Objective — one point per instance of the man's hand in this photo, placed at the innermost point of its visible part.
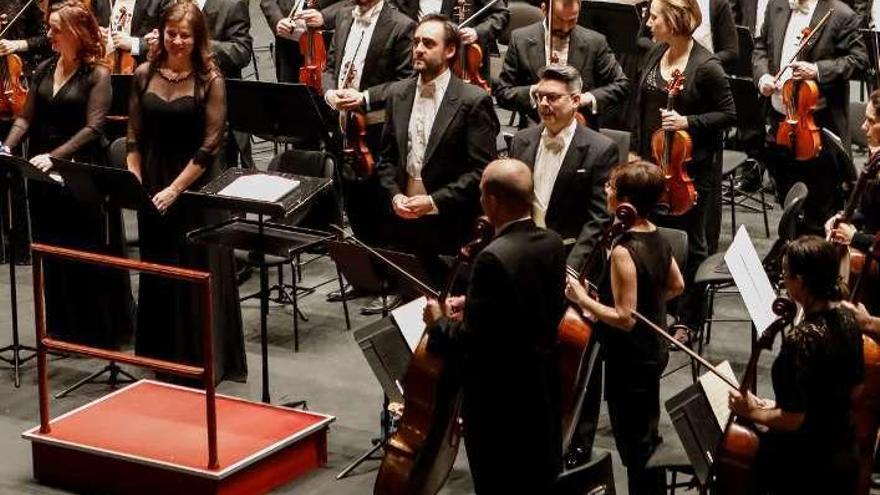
(468, 35)
(420, 205)
(285, 28)
(401, 208)
(345, 99)
(766, 85)
(672, 121)
(122, 41)
(312, 17)
(8, 47)
(152, 38)
(42, 162)
(804, 71)
(588, 101)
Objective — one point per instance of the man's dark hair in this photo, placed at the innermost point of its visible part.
(563, 73)
(450, 30)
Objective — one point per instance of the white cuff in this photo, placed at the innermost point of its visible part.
(135, 46)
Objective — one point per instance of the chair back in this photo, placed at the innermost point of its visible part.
(521, 14)
(841, 157)
(749, 114)
(324, 209)
(117, 152)
(856, 117)
(792, 214)
(678, 240)
(622, 139)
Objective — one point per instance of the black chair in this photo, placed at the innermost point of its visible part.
(743, 66)
(117, 152)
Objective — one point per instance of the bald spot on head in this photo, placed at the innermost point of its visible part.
(510, 182)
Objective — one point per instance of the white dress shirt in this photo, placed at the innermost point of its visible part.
(559, 46)
(759, 16)
(358, 41)
(120, 22)
(703, 33)
(875, 14)
(548, 161)
(425, 105)
(429, 7)
(800, 19)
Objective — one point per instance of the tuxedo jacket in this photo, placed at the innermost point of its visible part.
(462, 142)
(745, 12)
(229, 25)
(837, 50)
(724, 38)
(146, 17)
(507, 343)
(588, 52)
(488, 26)
(388, 56)
(577, 209)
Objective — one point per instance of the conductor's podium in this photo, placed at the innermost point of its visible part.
(150, 438)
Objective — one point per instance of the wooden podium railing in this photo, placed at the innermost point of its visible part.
(46, 344)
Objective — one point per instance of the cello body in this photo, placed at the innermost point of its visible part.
(798, 131)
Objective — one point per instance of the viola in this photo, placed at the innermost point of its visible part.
(353, 123)
(13, 83)
(576, 336)
(120, 61)
(311, 46)
(798, 130)
(672, 150)
(735, 456)
(469, 60)
(421, 452)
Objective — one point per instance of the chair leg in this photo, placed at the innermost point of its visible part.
(710, 311)
(732, 191)
(295, 298)
(344, 299)
(763, 201)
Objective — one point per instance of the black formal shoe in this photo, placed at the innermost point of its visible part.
(244, 274)
(348, 294)
(577, 455)
(376, 306)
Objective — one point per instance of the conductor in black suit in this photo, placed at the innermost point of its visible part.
(138, 34)
(439, 135)
(836, 55)
(505, 333)
(605, 86)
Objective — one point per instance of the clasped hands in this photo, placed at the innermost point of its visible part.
(412, 207)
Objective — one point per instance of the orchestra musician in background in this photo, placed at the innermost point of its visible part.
(64, 118)
(642, 275)
(176, 124)
(810, 445)
(130, 25)
(27, 36)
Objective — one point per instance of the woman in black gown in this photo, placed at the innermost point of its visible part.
(810, 445)
(176, 122)
(64, 117)
(642, 275)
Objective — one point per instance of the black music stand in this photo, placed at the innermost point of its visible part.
(14, 166)
(697, 428)
(872, 45)
(111, 188)
(621, 23)
(259, 236)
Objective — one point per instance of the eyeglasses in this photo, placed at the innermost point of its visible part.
(551, 97)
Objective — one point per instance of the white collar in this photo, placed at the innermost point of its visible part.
(441, 82)
(566, 133)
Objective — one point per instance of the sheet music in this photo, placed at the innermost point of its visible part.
(751, 279)
(409, 319)
(260, 187)
(717, 391)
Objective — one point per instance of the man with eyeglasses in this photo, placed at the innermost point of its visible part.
(570, 164)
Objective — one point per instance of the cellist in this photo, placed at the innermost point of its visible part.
(809, 446)
(835, 54)
(642, 275)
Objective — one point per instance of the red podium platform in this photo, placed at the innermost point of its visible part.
(150, 437)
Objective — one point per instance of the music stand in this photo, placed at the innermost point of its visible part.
(697, 427)
(14, 166)
(112, 188)
(259, 236)
(621, 23)
(872, 45)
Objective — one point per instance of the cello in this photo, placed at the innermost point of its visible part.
(353, 123)
(13, 83)
(575, 332)
(672, 150)
(469, 59)
(419, 455)
(311, 46)
(798, 130)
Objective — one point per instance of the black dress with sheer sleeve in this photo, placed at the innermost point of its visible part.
(171, 124)
(83, 303)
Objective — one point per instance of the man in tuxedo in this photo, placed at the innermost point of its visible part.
(835, 55)
(439, 135)
(130, 24)
(570, 164)
(484, 31)
(606, 87)
(505, 333)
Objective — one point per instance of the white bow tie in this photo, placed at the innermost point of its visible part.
(802, 7)
(553, 144)
(427, 90)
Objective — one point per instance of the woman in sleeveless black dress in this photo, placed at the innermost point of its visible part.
(64, 118)
(641, 276)
(176, 125)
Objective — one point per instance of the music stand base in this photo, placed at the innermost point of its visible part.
(368, 455)
(16, 361)
(113, 379)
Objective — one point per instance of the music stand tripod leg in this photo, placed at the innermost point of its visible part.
(112, 369)
(378, 443)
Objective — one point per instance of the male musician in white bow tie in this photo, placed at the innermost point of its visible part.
(129, 25)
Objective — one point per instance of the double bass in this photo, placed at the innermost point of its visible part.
(13, 83)
(798, 130)
(311, 46)
(353, 123)
(672, 150)
(469, 59)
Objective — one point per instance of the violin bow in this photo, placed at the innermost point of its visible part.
(476, 14)
(15, 18)
(804, 43)
(297, 6)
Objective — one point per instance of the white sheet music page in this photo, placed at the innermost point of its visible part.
(751, 279)
(409, 320)
(260, 187)
(716, 391)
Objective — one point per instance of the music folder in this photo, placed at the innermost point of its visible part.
(98, 184)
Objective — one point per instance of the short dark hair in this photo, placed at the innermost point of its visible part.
(816, 261)
(451, 35)
(563, 73)
(639, 183)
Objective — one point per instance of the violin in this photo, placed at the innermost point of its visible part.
(469, 59)
(13, 83)
(311, 46)
(120, 61)
(672, 150)
(798, 130)
(353, 123)
(576, 340)
(420, 454)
